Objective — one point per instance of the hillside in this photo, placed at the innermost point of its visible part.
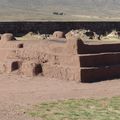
(73, 10)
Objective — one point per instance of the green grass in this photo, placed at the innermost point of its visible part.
(83, 109)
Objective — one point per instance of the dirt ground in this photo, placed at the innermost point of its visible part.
(17, 93)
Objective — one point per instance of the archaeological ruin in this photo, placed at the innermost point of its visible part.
(80, 55)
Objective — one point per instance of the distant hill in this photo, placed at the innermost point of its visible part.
(73, 9)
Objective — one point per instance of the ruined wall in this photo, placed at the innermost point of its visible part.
(49, 27)
(70, 60)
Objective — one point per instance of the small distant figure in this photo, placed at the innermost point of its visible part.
(58, 13)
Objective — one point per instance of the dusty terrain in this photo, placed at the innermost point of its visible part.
(17, 93)
(74, 10)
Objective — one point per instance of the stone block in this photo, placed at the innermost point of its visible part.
(58, 34)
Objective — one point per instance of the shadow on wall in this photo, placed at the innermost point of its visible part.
(38, 69)
(102, 48)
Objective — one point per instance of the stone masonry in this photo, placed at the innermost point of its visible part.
(66, 59)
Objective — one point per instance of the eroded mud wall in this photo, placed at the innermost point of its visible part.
(19, 28)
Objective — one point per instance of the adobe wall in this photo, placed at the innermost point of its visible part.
(70, 60)
(49, 27)
(58, 60)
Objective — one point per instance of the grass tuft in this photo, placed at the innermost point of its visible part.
(83, 109)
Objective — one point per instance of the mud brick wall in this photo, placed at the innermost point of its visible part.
(19, 28)
(87, 63)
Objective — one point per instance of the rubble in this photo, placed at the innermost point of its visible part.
(114, 35)
(82, 34)
(33, 36)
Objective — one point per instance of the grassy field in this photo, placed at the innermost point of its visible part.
(83, 109)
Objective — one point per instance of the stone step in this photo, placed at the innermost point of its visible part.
(98, 48)
(85, 60)
(83, 74)
(77, 46)
(97, 60)
(94, 74)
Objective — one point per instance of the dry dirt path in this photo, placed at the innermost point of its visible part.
(18, 93)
